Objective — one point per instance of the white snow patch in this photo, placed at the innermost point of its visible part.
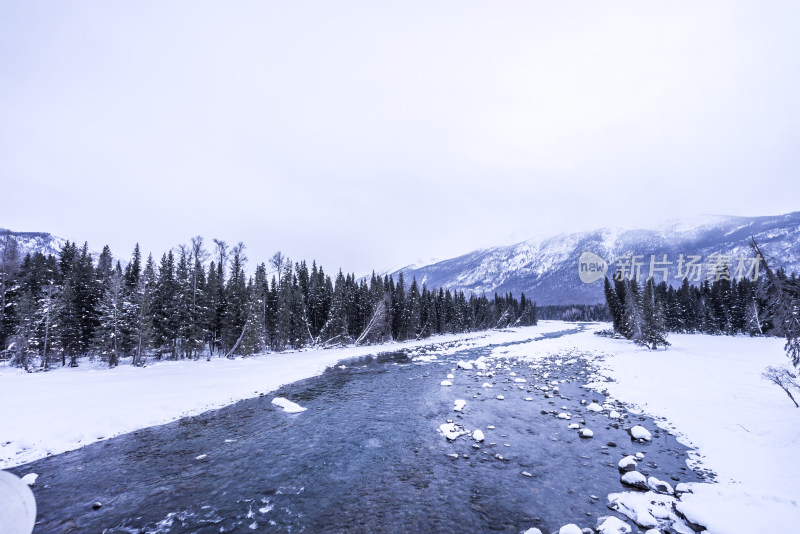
(451, 431)
(287, 405)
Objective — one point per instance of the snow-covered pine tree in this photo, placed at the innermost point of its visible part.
(165, 295)
(236, 299)
(653, 328)
(107, 341)
(140, 314)
(413, 311)
(784, 304)
(615, 307)
(335, 330)
(633, 311)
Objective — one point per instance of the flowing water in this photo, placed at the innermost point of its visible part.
(366, 456)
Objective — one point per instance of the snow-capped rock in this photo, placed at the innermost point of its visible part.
(635, 479)
(644, 509)
(30, 479)
(585, 433)
(641, 433)
(570, 529)
(477, 435)
(467, 366)
(594, 407)
(459, 404)
(612, 525)
(500, 397)
(659, 486)
(628, 463)
(446, 383)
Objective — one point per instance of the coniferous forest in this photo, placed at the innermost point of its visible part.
(722, 306)
(198, 303)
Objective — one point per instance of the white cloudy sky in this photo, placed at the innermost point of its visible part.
(371, 134)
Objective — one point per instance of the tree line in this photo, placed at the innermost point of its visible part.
(768, 305)
(574, 312)
(195, 303)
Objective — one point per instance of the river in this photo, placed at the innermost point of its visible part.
(366, 456)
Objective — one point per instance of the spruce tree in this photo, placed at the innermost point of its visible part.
(653, 327)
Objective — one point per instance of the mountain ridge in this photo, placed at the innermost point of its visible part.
(546, 270)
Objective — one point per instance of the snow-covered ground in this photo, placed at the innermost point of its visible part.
(64, 409)
(709, 391)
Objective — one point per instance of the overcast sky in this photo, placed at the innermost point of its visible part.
(373, 134)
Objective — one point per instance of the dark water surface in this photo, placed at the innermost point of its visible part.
(366, 456)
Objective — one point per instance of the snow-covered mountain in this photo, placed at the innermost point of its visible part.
(30, 242)
(547, 269)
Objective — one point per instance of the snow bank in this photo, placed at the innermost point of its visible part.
(708, 390)
(67, 408)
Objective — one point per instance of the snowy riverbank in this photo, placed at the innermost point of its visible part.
(709, 391)
(67, 408)
(706, 389)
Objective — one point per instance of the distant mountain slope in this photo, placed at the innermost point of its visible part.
(547, 270)
(30, 242)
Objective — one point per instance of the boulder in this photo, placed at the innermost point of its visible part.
(634, 479)
(612, 525)
(640, 433)
(627, 464)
